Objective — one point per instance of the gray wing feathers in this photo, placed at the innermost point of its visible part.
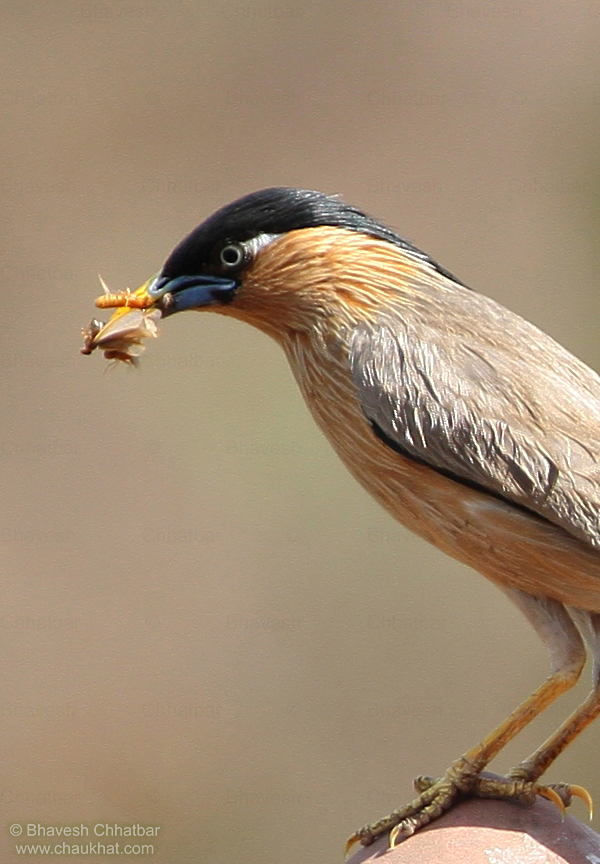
(508, 409)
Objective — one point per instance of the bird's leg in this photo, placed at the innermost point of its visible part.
(533, 767)
(567, 651)
(463, 776)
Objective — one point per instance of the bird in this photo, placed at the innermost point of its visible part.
(472, 427)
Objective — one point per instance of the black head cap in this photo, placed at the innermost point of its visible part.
(275, 211)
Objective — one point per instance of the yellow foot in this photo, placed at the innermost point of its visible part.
(406, 820)
(564, 791)
(520, 788)
(438, 795)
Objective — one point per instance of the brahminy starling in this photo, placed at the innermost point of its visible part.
(471, 426)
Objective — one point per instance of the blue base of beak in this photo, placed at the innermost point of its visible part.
(191, 292)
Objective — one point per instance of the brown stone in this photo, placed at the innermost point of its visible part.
(493, 832)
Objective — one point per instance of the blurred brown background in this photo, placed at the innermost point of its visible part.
(206, 624)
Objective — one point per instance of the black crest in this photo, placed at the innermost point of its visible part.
(275, 211)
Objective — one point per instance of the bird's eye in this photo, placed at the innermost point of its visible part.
(232, 255)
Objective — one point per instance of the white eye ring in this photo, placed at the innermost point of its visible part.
(232, 255)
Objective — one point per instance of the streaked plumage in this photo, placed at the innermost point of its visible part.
(471, 426)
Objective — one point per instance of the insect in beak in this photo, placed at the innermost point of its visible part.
(122, 337)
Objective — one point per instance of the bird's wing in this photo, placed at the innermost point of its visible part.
(508, 410)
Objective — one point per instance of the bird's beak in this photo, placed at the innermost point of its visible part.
(136, 312)
(189, 292)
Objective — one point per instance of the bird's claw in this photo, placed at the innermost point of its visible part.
(584, 795)
(561, 794)
(438, 795)
(525, 790)
(565, 792)
(552, 795)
